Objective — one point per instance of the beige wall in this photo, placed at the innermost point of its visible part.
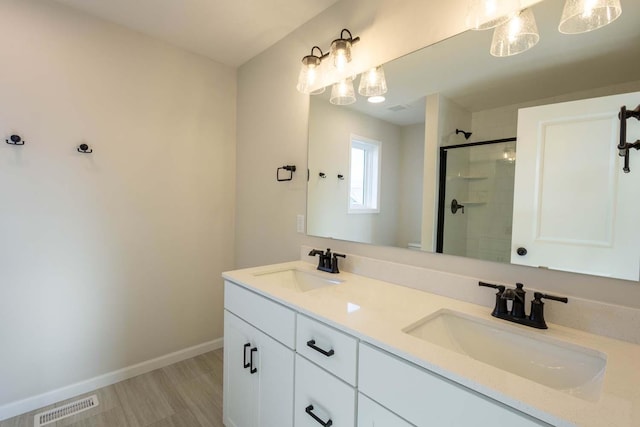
(113, 258)
(272, 131)
(330, 130)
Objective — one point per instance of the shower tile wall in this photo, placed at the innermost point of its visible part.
(489, 223)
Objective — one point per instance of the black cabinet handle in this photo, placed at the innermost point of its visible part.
(312, 344)
(522, 251)
(244, 355)
(253, 369)
(309, 410)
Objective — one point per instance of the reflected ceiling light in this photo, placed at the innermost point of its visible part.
(581, 16)
(341, 50)
(373, 83)
(342, 92)
(376, 99)
(486, 14)
(309, 72)
(515, 36)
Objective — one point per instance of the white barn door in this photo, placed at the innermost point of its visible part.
(574, 208)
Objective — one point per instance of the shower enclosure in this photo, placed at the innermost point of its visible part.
(475, 208)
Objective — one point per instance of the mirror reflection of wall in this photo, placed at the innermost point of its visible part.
(397, 218)
(458, 84)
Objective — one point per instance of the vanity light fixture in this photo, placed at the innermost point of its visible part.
(341, 49)
(373, 83)
(309, 72)
(487, 14)
(515, 36)
(342, 92)
(581, 16)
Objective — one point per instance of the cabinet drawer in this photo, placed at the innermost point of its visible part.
(370, 414)
(426, 399)
(274, 319)
(333, 350)
(320, 394)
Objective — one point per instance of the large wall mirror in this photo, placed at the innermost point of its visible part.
(509, 159)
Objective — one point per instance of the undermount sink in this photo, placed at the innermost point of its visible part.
(298, 280)
(567, 367)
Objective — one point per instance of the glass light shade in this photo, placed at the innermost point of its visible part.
(309, 74)
(581, 16)
(342, 93)
(372, 82)
(340, 53)
(486, 14)
(515, 36)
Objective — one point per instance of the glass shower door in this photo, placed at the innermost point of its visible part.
(476, 200)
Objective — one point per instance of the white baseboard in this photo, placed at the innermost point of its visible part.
(35, 402)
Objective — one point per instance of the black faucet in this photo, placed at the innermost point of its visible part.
(327, 261)
(517, 313)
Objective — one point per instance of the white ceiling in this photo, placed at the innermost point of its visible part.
(230, 32)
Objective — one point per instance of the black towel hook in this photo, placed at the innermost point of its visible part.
(15, 140)
(84, 148)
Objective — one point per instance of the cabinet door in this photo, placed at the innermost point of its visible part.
(321, 398)
(240, 391)
(370, 414)
(258, 377)
(574, 209)
(274, 363)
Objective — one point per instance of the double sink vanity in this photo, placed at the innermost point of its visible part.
(309, 348)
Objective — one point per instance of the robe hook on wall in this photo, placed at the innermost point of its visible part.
(341, 177)
(322, 175)
(84, 148)
(624, 146)
(289, 168)
(15, 140)
(467, 135)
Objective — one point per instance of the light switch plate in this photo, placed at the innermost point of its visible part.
(300, 223)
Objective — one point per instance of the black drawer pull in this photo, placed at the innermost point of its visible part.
(309, 410)
(244, 355)
(253, 369)
(312, 344)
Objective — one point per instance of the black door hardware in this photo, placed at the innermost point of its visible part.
(312, 344)
(309, 410)
(535, 319)
(252, 368)
(624, 146)
(84, 148)
(15, 140)
(521, 251)
(289, 168)
(244, 355)
(455, 206)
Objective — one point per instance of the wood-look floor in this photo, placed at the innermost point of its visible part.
(186, 394)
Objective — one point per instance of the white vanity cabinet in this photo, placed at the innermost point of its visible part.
(371, 414)
(258, 369)
(426, 399)
(326, 367)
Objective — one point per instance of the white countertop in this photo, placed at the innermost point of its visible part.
(385, 309)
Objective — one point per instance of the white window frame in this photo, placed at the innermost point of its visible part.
(372, 175)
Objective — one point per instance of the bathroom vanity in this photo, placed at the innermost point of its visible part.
(308, 348)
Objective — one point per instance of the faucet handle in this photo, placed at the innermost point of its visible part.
(539, 295)
(537, 309)
(334, 262)
(500, 288)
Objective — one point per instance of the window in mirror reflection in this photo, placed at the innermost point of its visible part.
(364, 175)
